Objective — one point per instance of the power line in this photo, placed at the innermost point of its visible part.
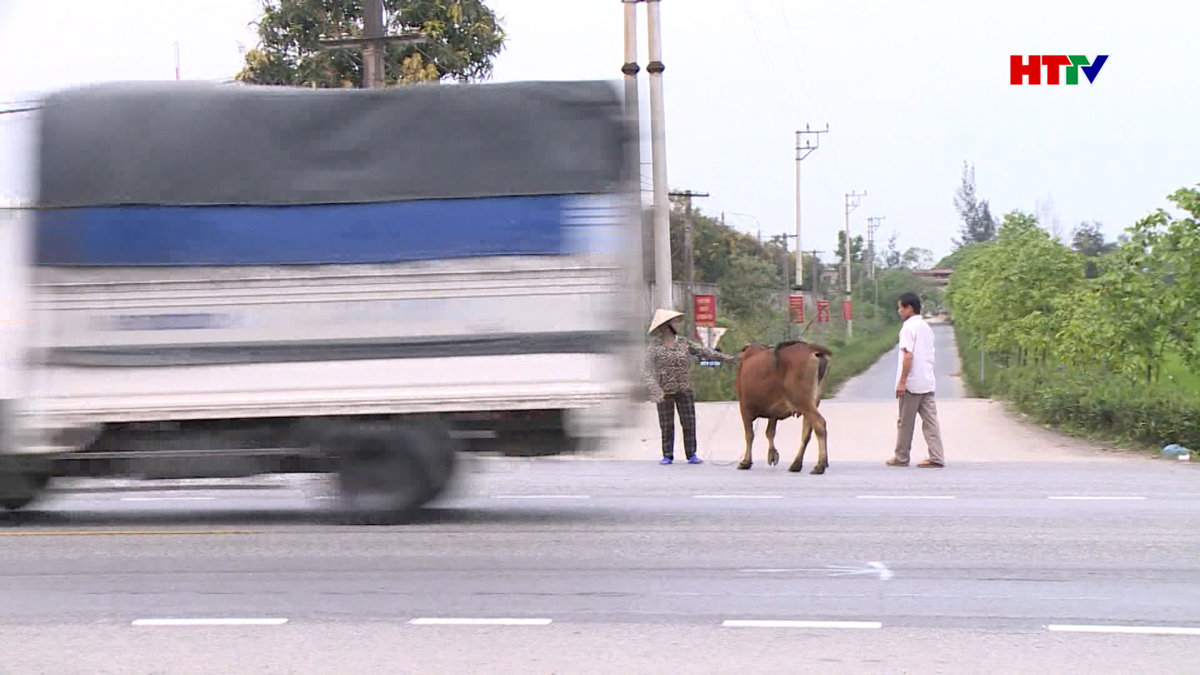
(790, 102)
(787, 24)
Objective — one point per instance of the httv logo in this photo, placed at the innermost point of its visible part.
(1020, 69)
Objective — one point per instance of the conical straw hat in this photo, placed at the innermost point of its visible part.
(661, 317)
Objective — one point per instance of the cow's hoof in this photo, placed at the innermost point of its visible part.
(745, 465)
(772, 458)
(818, 469)
(795, 468)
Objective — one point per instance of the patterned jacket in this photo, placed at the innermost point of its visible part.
(667, 369)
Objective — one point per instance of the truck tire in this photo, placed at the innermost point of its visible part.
(387, 473)
(20, 488)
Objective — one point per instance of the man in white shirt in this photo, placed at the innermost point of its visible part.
(915, 385)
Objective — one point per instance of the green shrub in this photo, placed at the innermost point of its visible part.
(1106, 405)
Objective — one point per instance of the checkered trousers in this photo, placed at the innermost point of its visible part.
(685, 402)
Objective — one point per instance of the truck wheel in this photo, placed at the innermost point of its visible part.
(441, 455)
(18, 488)
(386, 475)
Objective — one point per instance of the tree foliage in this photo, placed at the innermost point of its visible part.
(856, 248)
(463, 37)
(1089, 241)
(916, 258)
(977, 223)
(1028, 294)
(1007, 292)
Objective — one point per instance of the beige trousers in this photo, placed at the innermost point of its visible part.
(910, 406)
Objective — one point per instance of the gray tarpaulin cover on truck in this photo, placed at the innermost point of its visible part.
(173, 143)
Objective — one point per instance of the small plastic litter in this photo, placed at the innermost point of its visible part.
(1177, 451)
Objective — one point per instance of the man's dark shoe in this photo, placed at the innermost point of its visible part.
(895, 462)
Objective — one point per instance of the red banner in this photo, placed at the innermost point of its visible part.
(796, 305)
(847, 310)
(822, 311)
(705, 310)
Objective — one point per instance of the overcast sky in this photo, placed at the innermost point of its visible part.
(909, 89)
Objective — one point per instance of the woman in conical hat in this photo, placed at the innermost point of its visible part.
(667, 370)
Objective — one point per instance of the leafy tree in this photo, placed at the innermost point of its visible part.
(894, 283)
(856, 248)
(917, 259)
(956, 257)
(749, 289)
(463, 37)
(1089, 241)
(1127, 317)
(1007, 293)
(892, 258)
(977, 222)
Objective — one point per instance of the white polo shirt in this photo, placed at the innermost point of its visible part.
(917, 337)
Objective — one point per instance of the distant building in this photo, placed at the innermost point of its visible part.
(938, 277)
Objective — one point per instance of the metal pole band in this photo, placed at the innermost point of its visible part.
(630, 69)
(655, 67)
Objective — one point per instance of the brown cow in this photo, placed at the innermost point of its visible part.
(781, 382)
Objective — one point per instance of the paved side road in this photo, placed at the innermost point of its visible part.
(878, 382)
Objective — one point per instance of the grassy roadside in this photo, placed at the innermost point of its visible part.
(1094, 405)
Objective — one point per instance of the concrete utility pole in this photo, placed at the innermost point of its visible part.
(372, 43)
(852, 200)
(658, 155)
(689, 258)
(804, 148)
(633, 115)
(872, 226)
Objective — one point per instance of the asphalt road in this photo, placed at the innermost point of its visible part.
(616, 566)
(878, 383)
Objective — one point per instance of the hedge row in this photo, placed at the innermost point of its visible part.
(1090, 403)
(1098, 405)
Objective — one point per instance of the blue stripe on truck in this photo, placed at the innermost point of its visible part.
(317, 234)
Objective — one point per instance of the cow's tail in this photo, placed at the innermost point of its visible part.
(824, 356)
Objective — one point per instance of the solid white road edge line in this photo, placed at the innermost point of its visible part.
(742, 623)
(428, 621)
(209, 622)
(1142, 630)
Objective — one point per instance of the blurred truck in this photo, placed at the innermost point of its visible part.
(224, 280)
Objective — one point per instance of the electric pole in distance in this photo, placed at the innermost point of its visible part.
(852, 201)
(872, 226)
(689, 258)
(806, 142)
